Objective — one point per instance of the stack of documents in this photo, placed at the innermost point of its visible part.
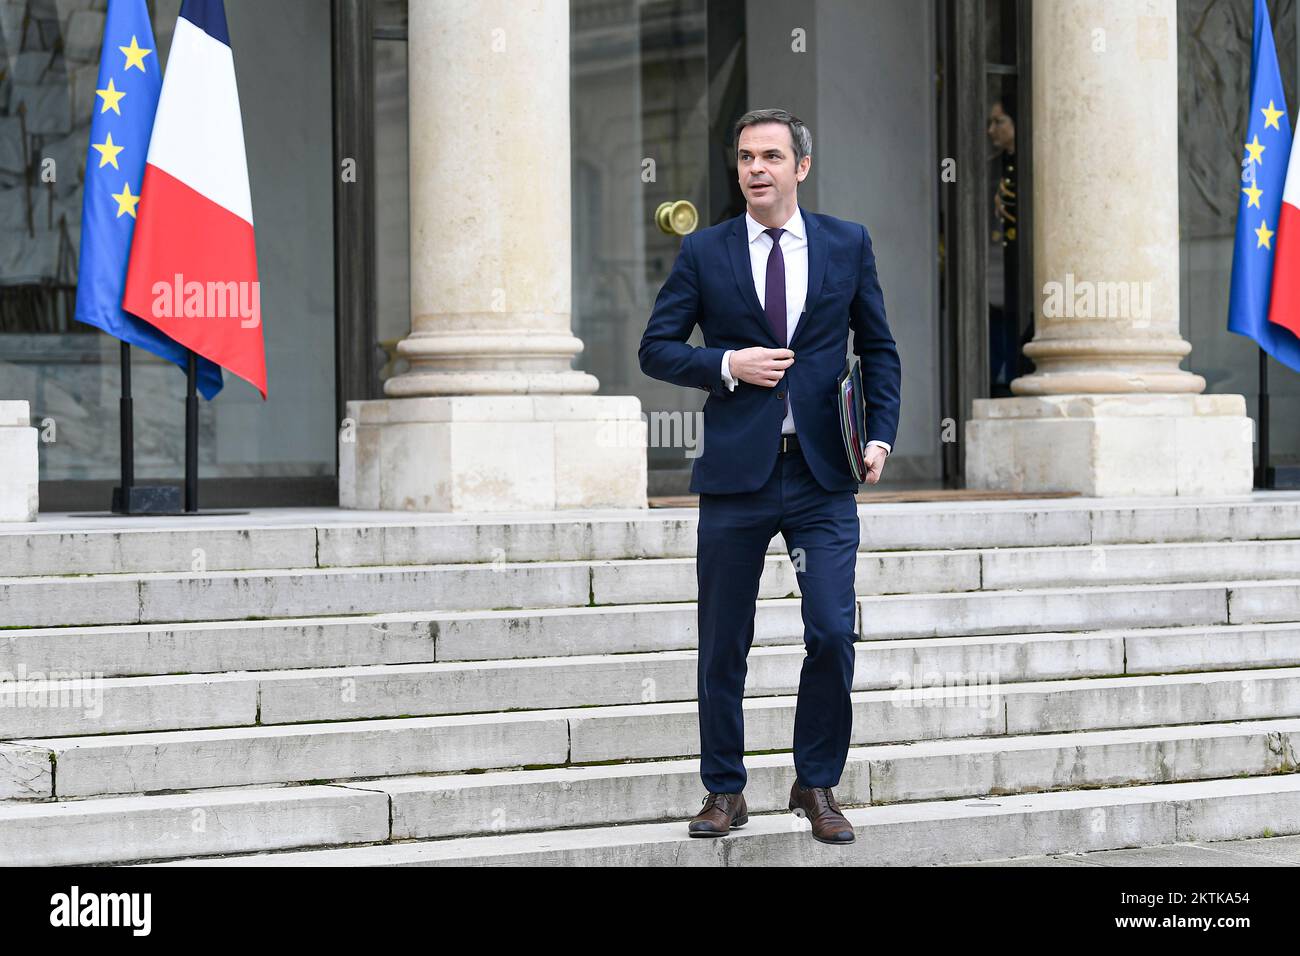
(853, 419)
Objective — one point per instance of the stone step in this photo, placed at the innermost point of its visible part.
(241, 756)
(239, 595)
(389, 690)
(913, 834)
(303, 537)
(97, 599)
(122, 829)
(52, 706)
(307, 680)
(1079, 608)
(134, 650)
(483, 804)
(119, 705)
(652, 731)
(238, 756)
(1002, 568)
(116, 829)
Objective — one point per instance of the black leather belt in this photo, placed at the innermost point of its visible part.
(789, 444)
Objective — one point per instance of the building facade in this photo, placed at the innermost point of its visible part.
(465, 209)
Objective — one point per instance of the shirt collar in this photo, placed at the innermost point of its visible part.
(793, 225)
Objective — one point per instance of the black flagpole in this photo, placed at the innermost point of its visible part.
(125, 421)
(191, 433)
(130, 498)
(1262, 477)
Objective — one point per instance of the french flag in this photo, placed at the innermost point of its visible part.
(193, 267)
(1284, 304)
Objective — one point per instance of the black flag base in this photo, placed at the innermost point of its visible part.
(128, 497)
(1270, 477)
(147, 500)
(132, 499)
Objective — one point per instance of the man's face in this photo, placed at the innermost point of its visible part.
(1001, 130)
(765, 166)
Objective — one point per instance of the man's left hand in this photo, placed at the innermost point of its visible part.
(875, 463)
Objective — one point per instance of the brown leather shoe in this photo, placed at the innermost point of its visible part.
(819, 806)
(721, 812)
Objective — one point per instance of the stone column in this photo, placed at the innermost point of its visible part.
(1108, 410)
(20, 475)
(491, 416)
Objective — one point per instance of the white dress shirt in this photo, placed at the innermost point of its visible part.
(794, 250)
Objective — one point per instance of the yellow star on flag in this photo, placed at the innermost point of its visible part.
(108, 152)
(1254, 192)
(1264, 234)
(1256, 150)
(1271, 116)
(135, 56)
(110, 96)
(125, 201)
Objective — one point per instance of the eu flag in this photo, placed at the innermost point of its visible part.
(126, 97)
(1259, 203)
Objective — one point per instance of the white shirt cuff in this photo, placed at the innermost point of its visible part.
(883, 444)
(726, 370)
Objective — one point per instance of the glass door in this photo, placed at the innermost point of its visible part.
(657, 86)
(640, 125)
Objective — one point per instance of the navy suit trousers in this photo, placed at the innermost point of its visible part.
(821, 533)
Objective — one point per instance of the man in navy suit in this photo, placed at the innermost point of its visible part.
(776, 292)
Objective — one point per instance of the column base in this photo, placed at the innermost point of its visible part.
(476, 453)
(20, 476)
(1112, 445)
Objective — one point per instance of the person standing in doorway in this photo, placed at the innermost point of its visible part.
(776, 292)
(1005, 338)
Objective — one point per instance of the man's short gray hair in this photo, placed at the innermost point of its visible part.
(800, 135)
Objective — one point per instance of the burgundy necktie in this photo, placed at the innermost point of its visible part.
(774, 299)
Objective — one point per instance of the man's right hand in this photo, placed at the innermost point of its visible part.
(760, 366)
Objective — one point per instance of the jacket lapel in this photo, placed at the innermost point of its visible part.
(816, 270)
(738, 249)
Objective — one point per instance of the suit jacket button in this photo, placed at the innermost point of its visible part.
(780, 394)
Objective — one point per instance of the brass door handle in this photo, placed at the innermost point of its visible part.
(677, 218)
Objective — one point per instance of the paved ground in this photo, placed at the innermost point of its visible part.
(1267, 851)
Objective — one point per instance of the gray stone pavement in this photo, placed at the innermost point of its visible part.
(1263, 851)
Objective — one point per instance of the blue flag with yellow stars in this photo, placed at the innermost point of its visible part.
(1263, 175)
(126, 98)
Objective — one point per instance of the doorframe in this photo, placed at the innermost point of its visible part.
(355, 292)
(1025, 172)
(963, 96)
(964, 342)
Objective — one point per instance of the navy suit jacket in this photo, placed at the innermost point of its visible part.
(712, 285)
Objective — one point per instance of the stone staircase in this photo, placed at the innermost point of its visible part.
(326, 687)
